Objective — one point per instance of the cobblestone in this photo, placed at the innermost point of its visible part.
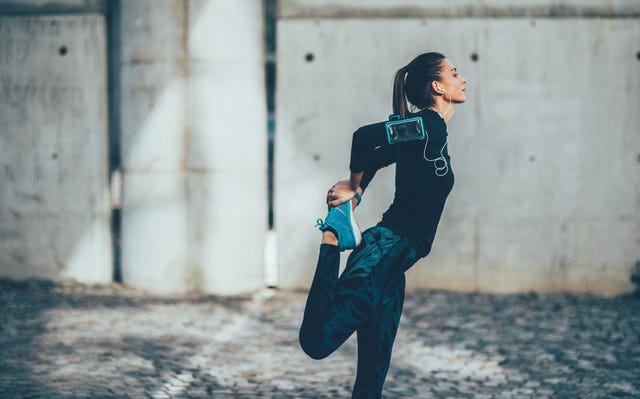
(66, 340)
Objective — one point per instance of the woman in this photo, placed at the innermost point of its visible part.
(369, 294)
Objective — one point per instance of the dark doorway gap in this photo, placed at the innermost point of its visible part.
(112, 17)
(270, 8)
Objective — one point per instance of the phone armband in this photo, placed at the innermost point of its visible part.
(403, 130)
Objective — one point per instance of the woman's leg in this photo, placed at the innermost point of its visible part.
(338, 307)
(321, 295)
(375, 341)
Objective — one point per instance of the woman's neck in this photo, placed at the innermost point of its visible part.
(444, 108)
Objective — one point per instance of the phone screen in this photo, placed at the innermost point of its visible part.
(403, 130)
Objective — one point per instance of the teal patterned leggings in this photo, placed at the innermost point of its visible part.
(366, 298)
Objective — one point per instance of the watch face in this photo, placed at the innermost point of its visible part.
(405, 130)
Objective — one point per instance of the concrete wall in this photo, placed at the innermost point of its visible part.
(302, 9)
(54, 194)
(194, 145)
(545, 200)
(54, 7)
(545, 151)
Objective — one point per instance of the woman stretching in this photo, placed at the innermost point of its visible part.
(368, 296)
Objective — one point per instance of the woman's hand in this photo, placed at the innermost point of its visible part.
(341, 192)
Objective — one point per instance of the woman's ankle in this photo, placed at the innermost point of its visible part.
(329, 237)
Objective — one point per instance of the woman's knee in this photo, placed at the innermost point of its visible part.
(314, 353)
(311, 345)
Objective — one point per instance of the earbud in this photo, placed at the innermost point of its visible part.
(441, 88)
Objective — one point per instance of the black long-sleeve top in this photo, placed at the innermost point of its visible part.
(420, 194)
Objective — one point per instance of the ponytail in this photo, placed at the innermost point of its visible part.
(412, 83)
(399, 93)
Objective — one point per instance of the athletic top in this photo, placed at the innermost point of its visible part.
(420, 194)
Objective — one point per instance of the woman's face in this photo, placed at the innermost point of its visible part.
(453, 83)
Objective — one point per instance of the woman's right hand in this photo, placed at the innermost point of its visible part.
(341, 192)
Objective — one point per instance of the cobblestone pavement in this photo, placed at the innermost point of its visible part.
(72, 341)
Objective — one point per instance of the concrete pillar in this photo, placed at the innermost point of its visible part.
(154, 145)
(193, 146)
(54, 194)
(227, 144)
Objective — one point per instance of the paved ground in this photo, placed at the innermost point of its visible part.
(73, 341)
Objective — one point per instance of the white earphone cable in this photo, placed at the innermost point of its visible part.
(444, 166)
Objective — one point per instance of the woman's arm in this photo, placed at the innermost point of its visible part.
(383, 157)
(370, 151)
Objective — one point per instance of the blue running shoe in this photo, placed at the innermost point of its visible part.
(340, 219)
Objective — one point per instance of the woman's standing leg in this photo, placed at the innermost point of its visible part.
(375, 342)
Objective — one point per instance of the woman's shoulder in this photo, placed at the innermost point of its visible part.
(373, 131)
(372, 126)
(430, 115)
(432, 120)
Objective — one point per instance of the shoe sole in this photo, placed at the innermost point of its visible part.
(354, 226)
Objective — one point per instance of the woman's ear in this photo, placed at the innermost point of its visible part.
(437, 87)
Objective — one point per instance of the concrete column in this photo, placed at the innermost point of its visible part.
(54, 194)
(153, 142)
(227, 144)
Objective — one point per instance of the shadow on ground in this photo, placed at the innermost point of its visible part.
(66, 340)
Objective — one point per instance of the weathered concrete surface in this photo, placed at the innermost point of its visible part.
(70, 341)
(22, 7)
(54, 194)
(296, 9)
(544, 152)
(192, 122)
(153, 141)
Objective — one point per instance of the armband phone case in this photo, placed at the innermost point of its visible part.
(403, 130)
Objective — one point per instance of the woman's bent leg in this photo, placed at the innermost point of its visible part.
(320, 297)
(375, 341)
(337, 308)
